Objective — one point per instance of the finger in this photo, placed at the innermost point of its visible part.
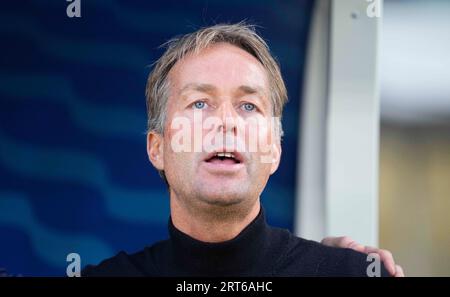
(357, 247)
(341, 242)
(329, 241)
(385, 257)
(399, 271)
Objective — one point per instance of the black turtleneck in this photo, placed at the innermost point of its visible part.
(259, 250)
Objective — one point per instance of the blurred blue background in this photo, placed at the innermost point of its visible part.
(74, 174)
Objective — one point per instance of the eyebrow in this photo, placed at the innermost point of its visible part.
(252, 90)
(204, 88)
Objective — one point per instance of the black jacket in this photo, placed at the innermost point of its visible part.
(259, 250)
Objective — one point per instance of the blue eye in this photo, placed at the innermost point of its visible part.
(199, 105)
(249, 106)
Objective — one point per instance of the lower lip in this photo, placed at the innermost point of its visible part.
(223, 166)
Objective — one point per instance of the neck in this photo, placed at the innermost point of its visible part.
(212, 223)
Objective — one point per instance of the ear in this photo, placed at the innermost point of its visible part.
(276, 156)
(155, 149)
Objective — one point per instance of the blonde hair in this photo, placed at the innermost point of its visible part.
(241, 35)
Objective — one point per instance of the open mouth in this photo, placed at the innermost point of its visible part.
(224, 158)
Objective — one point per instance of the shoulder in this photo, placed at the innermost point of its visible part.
(303, 257)
(141, 263)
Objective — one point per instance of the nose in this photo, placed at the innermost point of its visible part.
(229, 118)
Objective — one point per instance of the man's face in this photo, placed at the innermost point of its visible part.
(218, 107)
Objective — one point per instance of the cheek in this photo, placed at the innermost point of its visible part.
(178, 154)
(259, 167)
(258, 174)
(173, 159)
(259, 135)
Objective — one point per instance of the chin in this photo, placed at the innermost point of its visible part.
(223, 197)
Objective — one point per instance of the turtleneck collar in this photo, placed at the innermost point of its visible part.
(235, 256)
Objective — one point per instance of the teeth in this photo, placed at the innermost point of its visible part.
(226, 155)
